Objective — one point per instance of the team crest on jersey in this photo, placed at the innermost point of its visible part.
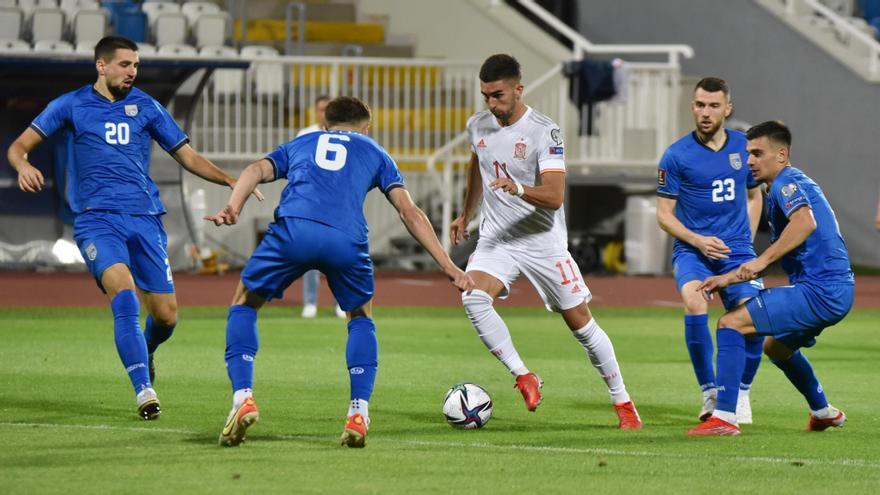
(735, 161)
(519, 151)
(482, 143)
(91, 251)
(131, 110)
(789, 189)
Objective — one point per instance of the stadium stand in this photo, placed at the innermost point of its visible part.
(177, 49)
(53, 46)
(169, 28)
(14, 46)
(88, 25)
(11, 20)
(47, 24)
(209, 29)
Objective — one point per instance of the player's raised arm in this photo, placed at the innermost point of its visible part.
(29, 178)
(255, 173)
(198, 165)
(472, 195)
(420, 228)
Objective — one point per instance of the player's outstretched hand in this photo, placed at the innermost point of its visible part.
(30, 179)
(711, 285)
(226, 216)
(461, 280)
(712, 247)
(750, 270)
(505, 184)
(458, 230)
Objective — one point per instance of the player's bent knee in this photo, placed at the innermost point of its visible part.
(476, 302)
(732, 320)
(776, 351)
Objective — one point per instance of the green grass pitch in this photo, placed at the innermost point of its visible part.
(68, 423)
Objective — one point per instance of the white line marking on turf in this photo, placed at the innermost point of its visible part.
(480, 445)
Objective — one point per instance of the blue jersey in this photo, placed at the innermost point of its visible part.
(823, 257)
(710, 188)
(329, 175)
(110, 169)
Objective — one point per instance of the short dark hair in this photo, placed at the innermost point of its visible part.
(346, 110)
(774, 130)
(109, 44)
(499, 67)
(713, 85)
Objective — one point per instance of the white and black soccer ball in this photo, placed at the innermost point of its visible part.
(467, 406)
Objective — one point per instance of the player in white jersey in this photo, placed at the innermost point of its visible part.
(518, 169)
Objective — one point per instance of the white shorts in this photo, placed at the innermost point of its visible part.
(553, 273)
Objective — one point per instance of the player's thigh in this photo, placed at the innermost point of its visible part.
(556, 278)
(116, 278)
(162, 307)
(148, 248)
(349, 270)
(734, 295)
(100, 237)
(790, 315)
(276, 262)
(690, 269)
(738, 319)
(494, 267)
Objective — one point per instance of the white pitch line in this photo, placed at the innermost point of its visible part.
(487, 446)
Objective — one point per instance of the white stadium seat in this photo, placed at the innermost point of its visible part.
(146, 49)
(268, 77)
(14, 46)
(89, 25)
(53, 46)
(8, 3)
(153, 9)
(258, 51)
(177, 49)
(169, 28)
(47, 24)
(29, 6)
(210, 29)
(11, 21)
(227, 82)
(218, 51)
(70, 7)
(193, 10)
(85, 46)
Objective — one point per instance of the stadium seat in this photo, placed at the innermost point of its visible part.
(210, 29)
(153, 9)
(258, 51)
(53, 46)
(14, 46)
(8, 3)
(85, 46)
(268, 77)
(70, 7)
(169, 28)
(89, 25)
(47, 24)
(194, 10)
(177, 49)
(226, 82)
(146, 49)
(11, 20)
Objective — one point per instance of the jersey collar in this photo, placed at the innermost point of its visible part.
(726, 140)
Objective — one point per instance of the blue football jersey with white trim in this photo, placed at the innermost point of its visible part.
(329, 174)
(110, 165)
(710, 187)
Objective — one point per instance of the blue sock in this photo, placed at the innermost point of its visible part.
(130, 342)
(241, 345)
(155, 334)
(699, 344)
(362, 357)
(731, 361)
(754, 352)
(800, 373)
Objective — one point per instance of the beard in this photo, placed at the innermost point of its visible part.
(712, 130)
(503, 117)
(119, 92)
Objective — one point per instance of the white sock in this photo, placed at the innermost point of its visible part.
(240, 395)
(359, 406)
(728, 416)
(710, 392)
(601, 354)
(823, 413)
(492, 330)
(744, 392)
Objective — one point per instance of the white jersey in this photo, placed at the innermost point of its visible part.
(522, 151)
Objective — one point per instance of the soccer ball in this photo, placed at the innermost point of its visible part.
(467, 406)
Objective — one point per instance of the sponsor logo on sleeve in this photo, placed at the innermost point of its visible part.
(556, 150)
(131, 110)
(661, 177)
(735, 161)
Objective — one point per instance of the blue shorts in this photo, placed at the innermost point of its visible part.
(138, 241)
(292, 246)
(796, 314)
(689, 264)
